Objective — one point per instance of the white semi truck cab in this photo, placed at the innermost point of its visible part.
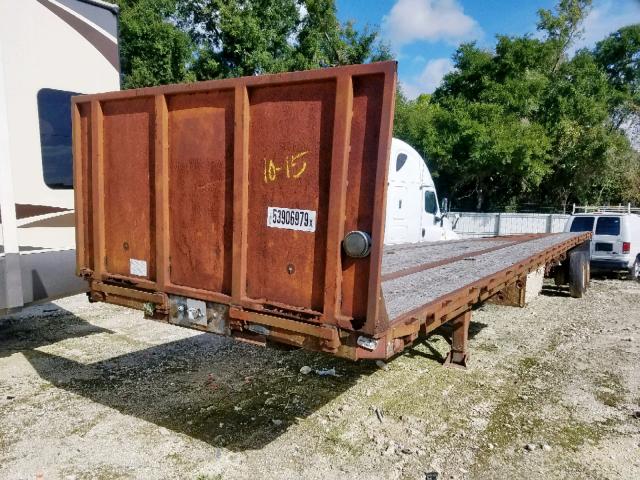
(413, 213)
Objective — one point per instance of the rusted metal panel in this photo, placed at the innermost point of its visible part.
(187, 174)
(290, 145)
(223, 205)
(201, 190)
(361, 179)
(512, 295)
(129, 186)
(82, 184)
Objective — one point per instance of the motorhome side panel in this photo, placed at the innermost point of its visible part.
(75, 50)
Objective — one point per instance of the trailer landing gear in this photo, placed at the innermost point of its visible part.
(459, 353)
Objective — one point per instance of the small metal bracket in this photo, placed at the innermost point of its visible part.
(456, 359)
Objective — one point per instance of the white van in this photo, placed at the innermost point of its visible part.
(413, 214)
(615, 245)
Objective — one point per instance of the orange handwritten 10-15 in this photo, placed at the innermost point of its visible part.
(294, 166)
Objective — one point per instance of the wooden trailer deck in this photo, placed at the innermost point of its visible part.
(435, 282)
(416, 275)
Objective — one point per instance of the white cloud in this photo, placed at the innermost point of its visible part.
(606, 17)
(418, 59)
(429, 79)
(432, 20)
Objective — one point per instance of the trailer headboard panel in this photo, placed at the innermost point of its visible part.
(240, 191)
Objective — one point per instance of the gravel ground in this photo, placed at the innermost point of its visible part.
(95, 391)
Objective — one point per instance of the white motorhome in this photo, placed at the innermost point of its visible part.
(413, 213)
(49, 51)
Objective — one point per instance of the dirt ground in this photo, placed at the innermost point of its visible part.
(96, 392)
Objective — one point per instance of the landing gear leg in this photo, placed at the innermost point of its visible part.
(459, 353)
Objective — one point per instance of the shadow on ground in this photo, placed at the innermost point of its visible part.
(445, 331)
(213, 389)
(555, 291)
(551, 290)
(41, 326)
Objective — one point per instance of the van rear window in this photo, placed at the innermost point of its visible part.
(582, 224)
(608, 226)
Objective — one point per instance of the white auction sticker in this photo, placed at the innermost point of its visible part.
(291, 219)
(137, 267)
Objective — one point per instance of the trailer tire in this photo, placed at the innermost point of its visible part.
(560, 275)
(579, 272)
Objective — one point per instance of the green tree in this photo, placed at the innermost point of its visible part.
(619, 56)
(169, 41)
(153, 50)
(527, 123)
(249, 37)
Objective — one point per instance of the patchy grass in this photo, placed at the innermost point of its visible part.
(335, 443)
(609, 389)
(518, 417)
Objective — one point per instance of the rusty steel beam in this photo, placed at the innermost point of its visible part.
(512, 295)
(287, 78)
(337, 198)
(240, 193)
(97, 188)
(163, 266)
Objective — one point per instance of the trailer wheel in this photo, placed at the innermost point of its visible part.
(587, 263)
(579, 272)
(560, 275)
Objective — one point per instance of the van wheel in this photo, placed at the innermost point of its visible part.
(579, 272)
(634, 272)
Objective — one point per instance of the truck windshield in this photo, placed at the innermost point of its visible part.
(608, 226)
(582, 224)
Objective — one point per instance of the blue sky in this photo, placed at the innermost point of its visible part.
(424, 33)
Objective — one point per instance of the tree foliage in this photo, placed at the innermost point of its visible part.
(153, 50)
(527, 123)
(169, 41)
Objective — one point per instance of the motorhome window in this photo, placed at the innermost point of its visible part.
(401, 159)
(430, 202)
(54, 113)
(582, 224)
(608, 226)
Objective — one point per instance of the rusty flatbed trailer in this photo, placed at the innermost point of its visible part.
(254, 207)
